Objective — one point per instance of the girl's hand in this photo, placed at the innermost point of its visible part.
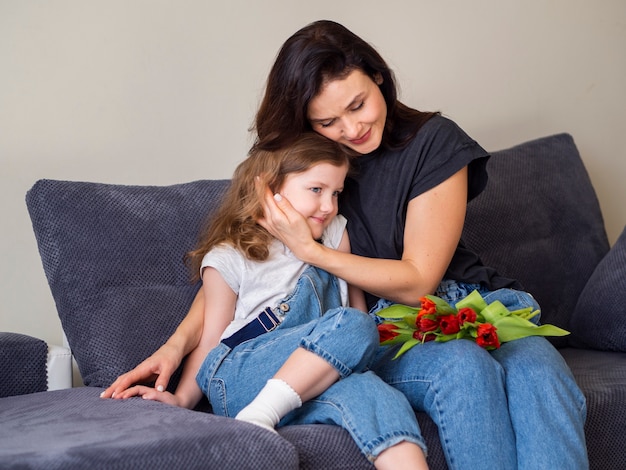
(149, 393)
(284, 222)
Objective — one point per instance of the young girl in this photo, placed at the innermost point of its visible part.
(270, 315)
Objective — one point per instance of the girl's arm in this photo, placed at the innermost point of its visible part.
(218, 313)
(434, 223)
(165, 360)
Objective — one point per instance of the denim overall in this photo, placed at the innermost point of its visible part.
(376, 415)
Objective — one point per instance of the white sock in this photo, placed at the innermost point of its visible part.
(274, 401)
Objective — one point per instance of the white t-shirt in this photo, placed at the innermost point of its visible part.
(261, 284)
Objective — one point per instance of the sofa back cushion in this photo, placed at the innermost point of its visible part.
(113, 257)
(599, 319)
(539, 221)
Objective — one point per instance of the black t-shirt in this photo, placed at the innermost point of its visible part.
(378, 191)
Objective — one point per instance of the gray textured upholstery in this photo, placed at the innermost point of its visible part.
(22, 364)
(75, 429)
(112, 255)
(602, 377)
(599, 319)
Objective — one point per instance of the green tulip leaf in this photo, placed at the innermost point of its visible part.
(495, 311)
(406, 346)
(474, 301)
(512, 328)
(396, 311)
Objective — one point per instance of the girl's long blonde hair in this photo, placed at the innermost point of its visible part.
(234, 221)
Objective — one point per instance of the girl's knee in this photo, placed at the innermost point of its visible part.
(354, 323)
(348, 338)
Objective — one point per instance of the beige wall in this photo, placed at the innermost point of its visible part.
(161, 92)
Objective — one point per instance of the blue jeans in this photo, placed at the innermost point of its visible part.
(376, 415)
(515, 407)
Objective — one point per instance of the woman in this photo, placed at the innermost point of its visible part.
(515, 407)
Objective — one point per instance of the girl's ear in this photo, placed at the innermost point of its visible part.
(378, 78)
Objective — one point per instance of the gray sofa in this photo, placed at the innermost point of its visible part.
(112, 255)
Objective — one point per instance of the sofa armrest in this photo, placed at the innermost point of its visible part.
(30, 365)
(22, 364)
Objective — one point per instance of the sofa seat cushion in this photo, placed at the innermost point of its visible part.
(599, 319)
(75, 429)
(601, 376)
(327, 447)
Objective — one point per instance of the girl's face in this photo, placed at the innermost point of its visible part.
(351, 111)
(314, 193)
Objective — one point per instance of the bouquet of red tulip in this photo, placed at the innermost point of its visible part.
(470, 318)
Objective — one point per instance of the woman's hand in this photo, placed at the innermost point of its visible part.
(161, 365)
(285, 223)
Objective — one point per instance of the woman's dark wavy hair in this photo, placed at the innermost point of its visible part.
(313, 56)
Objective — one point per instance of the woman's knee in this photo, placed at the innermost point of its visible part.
(514, 300)
(532, 359)
(466, 359)
(438, 365)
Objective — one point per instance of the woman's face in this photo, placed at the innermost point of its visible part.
(351, 111)
(314, 193)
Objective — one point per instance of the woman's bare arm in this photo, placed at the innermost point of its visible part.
(356, 297)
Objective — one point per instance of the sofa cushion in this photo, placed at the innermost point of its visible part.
(328, 447)
(601, 376)
(22, 364)
(75, 429)
(539, 221)
(113, 257)
(599, 319)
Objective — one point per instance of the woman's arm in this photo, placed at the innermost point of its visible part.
(356, 297)
(218, 313)
(165, 360)
(433, 228)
